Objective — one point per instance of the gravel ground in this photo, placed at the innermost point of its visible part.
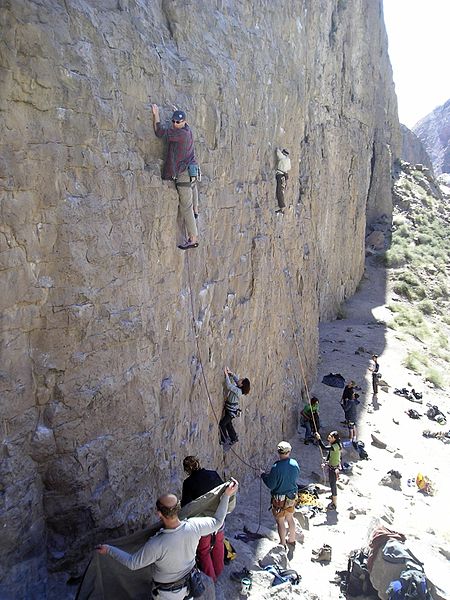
(346, 347)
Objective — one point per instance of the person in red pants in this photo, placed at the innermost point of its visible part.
(210, 549)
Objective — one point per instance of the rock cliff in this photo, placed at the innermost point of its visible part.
(434, 133)
(413, 151)
(102, 371)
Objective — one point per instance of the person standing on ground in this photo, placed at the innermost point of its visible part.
(309, 419)
(349, 405)
(210, 550)
(333, 463)
(172, 550)
(375, 376)
(180, 155)
(236, 389)
(348, 393)
(281, 176)
(282, 482)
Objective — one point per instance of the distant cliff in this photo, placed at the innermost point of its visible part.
(102, 393)
(434, 133)
(413, 151)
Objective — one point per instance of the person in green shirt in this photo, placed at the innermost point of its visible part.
(333, 463)
(309, 419)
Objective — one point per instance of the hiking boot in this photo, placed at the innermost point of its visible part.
(306, 442)
(322, 555)
(240, 575)
(280, 211)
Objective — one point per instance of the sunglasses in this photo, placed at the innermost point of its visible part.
(177, 122)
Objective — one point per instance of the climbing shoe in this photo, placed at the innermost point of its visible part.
(331, 506)
(240, 575)
(322, 554)
(188, 245)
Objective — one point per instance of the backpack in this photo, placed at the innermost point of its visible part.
(230, 552)
(360, 449)
(411, 585)
(283, 575)
(413, 414)
(436, 415)
(358, 581)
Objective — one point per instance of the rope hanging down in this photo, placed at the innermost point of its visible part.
(202, 368)
(194, 324)
(294, 329)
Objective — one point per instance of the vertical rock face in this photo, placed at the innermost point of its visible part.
(434, 133)
(102, 375)
(413, 151)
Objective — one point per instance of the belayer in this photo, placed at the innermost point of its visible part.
(232, 409)
(333, 463)
(181, 168)
(309, 419)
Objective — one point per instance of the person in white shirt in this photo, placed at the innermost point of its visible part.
(172, 550)
(281, 175)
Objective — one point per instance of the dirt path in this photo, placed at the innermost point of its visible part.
(423, 519)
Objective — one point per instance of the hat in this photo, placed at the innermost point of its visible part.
(179, 115)
(284, 447)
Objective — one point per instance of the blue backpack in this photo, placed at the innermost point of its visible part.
(411, 585)
(283, 575)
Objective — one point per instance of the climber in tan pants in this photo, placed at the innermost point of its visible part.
(180, 155)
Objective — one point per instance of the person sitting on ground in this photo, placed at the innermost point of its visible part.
(375, 376)
(180, 156)
(210, 550)
(309, 419)
(281, 176)
(333, 463)
(172, 550)
(348, 393)
(282, 482)
(236, 388)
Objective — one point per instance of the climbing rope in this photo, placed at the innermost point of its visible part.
(196, 335)
(296, 343)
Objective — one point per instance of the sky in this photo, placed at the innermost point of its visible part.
(419, 49)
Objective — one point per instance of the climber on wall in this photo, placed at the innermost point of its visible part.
(281, 176)
(180, 167)
(236, 388)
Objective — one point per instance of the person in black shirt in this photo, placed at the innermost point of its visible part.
(210, 550)
(348, 394)
(375, 369)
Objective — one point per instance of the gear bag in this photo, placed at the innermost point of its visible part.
(358, 581)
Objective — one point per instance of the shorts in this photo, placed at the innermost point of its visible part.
(282, 507)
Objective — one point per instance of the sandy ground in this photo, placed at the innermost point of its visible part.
(423, 519)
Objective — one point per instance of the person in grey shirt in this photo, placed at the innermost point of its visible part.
(172, 550)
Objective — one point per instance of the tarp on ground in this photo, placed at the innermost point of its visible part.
(106, 578)
(334, 380)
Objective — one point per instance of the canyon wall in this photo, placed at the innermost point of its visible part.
(103, 365)
(434, 133)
